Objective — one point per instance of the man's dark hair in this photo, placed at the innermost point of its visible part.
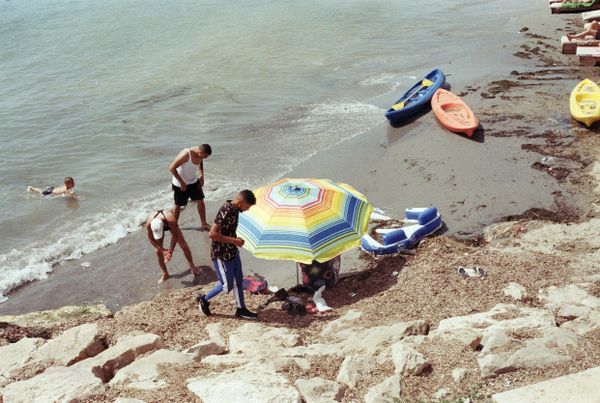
(248, 197)
(68, 178)
(206, 148)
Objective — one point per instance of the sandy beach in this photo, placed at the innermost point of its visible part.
(524, 221)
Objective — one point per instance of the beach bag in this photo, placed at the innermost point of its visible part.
(316, 275)
(255, 284)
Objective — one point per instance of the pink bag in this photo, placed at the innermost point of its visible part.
(255, 284)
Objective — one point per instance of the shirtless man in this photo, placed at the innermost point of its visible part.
(157, 223)
(66, 189)
(186, 183)
(593, 30)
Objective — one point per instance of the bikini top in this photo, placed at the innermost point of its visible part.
(166, 227)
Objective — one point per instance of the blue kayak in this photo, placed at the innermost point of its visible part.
(417, 97)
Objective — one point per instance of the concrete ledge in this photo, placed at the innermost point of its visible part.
(591, 16)
(570, 47)
(581, 387)
(556, 8)
(588, 55)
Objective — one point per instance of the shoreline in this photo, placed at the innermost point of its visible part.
(549, 246)
(419, 164)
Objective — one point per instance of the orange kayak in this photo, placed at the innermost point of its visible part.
(453, 113)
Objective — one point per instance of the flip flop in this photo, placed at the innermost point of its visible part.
(481, 271)
(469, 272)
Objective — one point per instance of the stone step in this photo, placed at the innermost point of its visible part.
(581, 387)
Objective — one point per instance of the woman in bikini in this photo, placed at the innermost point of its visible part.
(157, 223)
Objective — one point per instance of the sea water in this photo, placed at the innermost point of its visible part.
(110, 91)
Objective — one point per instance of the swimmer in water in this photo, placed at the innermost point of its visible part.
(65, 190)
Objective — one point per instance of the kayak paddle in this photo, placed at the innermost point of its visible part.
(424, 83)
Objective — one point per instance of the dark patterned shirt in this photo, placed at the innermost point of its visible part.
(227, 220)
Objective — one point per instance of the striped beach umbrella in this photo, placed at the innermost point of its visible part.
(304, 220)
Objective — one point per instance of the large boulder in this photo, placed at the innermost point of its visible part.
(123, 353)
(143, 373)
(56, 384)
(578, 387)
(343, 326)
(73, 345)
(319, 390)
(251, 338)
(387, 391)
(569, 301)
(354, 368)
(16, 355)
(248, 383)
(510, 337)
(407, 360)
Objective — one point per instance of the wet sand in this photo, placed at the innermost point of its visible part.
(472, 181)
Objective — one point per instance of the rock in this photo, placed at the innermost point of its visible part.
(515, 291)
(440, 394)
(578, 387)
(585, 323)
(512, 337)
(73, 345)
(343, 325)
(468, 328)
(17, 355)
(56, 384)
(51, 317)
(459, 374)
(143, 373)
(124, 352)
(534, 354)
(252, 382)
(204, 349)
(251, 338)
(319, 390)
(353, 369)
(380, 337)
(408, 360)
(570, 301)
(214, 334)
(387, 391)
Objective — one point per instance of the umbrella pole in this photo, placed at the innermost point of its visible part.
(297, 274)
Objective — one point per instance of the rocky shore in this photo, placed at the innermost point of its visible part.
(406, 328)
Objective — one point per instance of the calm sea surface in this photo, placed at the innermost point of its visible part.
(109, 91)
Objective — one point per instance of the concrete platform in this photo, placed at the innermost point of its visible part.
(556, 8)
(581, 387)
(570, 47)
(588, 56)
(591, 16)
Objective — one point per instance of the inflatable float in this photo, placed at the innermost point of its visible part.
(427, 221)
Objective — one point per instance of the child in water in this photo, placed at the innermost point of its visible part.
(66, 189)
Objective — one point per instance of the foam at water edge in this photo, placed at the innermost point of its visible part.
(72, 241)
(351, 119)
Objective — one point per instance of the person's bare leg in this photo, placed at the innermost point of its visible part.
(587, 32)
(176, 210)
(32, 189)
(161, 263)
(188, 254)
(202, 213)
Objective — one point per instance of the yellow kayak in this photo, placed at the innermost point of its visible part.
(585, 102)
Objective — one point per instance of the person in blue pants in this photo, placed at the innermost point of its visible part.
(225, 254)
